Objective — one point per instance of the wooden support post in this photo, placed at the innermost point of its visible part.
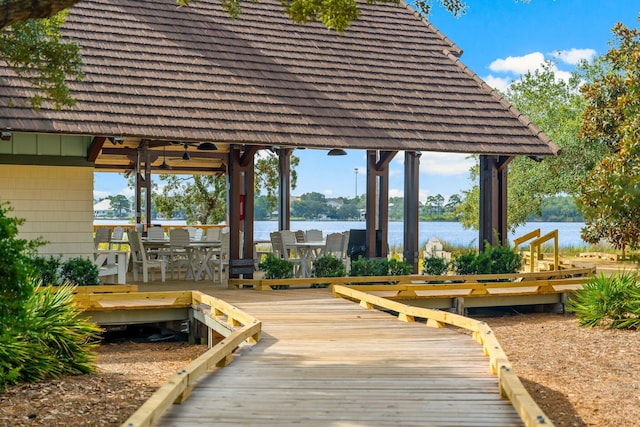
(411, 208)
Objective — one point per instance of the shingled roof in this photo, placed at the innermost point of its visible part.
(392, 82)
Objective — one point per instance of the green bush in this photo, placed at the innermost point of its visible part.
(328, 266)
(80, 272)
(50, 341)
(379, 267)
(435, 265)
(277, 268)
(611, 301)
(47, 269)
(494, 260)
(15, 267)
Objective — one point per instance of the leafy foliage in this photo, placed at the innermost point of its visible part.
(203, 197)
(15, 267)
(51, 339)
(556, 107)
(277, 268)
(379, 267)
(36, 52)
(611, 192)
(435, 265)
(47, 270)
(329, 266)
(500, 259)
(80, 271)
(611, 301)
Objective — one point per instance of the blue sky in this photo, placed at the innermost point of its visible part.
(501, 40)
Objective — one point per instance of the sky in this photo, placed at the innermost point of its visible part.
(501, 40)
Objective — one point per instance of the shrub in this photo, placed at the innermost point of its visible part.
(494, 260)
(328, 266)
(50, 341)
(435, 265)
(611, 301)
(379, 267)
(277, 268)
(80, 272)
(47, 269)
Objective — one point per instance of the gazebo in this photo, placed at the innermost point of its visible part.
(161, 81)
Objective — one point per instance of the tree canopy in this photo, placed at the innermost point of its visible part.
(556, 107)
(610, 196)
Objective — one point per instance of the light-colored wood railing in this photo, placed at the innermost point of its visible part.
(479, 282)
(236, 326)
(510, 385)
(535, 247)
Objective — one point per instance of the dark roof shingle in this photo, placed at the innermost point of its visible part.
(389, 82)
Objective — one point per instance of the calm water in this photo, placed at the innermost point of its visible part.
(452, 232)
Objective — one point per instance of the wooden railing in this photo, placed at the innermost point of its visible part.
(510, 385)
(236, 326)
(535, 247)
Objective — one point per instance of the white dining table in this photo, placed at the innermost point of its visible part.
(307, 252)
(199, 254)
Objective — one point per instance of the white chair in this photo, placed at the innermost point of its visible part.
(155, 233)
(220, 260)
(103, 235)
(178, 250)
(115, 242)
(279, 240)
(314, 235)
(199, 234)
(213, 234)
(300, 236)
(334, 246)
(141, 261)
(192, 232)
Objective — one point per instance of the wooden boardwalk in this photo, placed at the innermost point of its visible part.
(325, 361)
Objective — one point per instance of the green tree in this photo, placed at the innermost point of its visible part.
(261, 210)
(610, 197)
(556, 107)
(267, 175)
(201, 197)
(311, 205)
(120, 203)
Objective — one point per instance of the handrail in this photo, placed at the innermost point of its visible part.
(236, 326)
(265, 284)
(530, 235)
(536, 246)
(510, 385)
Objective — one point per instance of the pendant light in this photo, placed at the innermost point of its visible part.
(164, 165)
(186, 155)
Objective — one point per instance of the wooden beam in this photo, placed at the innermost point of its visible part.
(95, 148)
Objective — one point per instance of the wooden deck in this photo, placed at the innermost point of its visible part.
(325, 361)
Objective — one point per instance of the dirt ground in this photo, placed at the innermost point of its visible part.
(579, 377)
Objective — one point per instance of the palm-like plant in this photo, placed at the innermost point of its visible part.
(612, 301)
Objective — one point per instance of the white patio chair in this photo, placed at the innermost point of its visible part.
(141, 261)
(178, 254)
(314, 235)
(300, 236)
(115, 242)
(278, 243)
(213, 233)
(155, 233)
(334, 246)
(103, 235)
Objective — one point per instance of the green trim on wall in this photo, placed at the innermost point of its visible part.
(18, 159)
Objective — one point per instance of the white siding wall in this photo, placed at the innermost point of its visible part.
(57, 204)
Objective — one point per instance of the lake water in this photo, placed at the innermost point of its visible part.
(451, 232)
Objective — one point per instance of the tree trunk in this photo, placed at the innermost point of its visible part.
(13, 11)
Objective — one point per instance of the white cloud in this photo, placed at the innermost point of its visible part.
(327, 192)
(574, 56)
(394, 192)
(445, 164)
(518, 64)
(500, 83)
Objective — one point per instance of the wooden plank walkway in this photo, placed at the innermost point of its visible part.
(325, 361)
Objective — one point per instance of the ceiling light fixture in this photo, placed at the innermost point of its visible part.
(186, 155)
(207, 146)
(337, 152)
(164, 165)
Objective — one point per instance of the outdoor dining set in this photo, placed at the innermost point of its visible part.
(190, 253)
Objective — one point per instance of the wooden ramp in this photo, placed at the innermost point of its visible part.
(325, 361)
